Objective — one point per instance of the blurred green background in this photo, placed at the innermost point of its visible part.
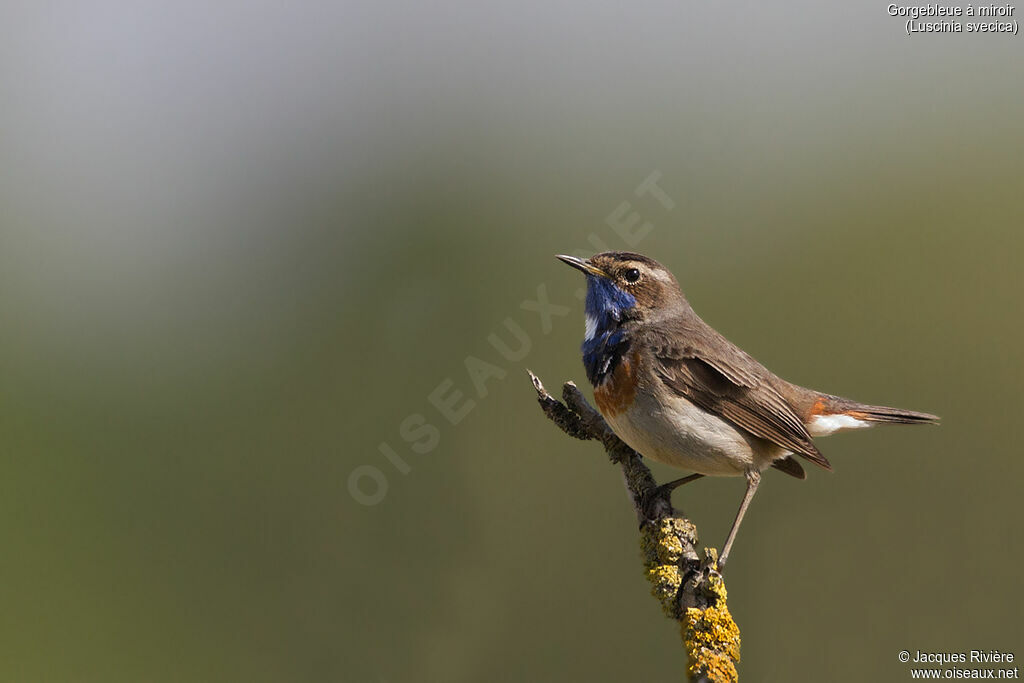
(241, 244)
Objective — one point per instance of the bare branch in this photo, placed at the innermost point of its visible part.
(691, 590)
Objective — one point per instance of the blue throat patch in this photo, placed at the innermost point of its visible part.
(605, 304)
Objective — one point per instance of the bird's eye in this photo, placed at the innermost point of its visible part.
(631, 275)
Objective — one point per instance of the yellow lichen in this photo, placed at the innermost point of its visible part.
(665, 581)
(712, 638)
(662, 549)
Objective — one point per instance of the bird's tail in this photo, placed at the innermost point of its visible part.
(828, 414)
(828, 405)
(861, 411)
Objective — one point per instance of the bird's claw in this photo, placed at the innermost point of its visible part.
(655, 503)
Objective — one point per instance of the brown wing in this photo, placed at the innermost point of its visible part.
(727, 382)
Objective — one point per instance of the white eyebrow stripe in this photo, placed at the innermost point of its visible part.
(660, 275)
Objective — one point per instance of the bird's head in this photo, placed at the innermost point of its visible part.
(626, 287)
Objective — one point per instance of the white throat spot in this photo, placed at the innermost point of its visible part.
(591, 327)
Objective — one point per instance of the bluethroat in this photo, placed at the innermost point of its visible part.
(678, 392)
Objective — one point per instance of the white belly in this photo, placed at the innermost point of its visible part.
(678, 433)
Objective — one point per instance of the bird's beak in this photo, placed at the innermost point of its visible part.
(581, 264)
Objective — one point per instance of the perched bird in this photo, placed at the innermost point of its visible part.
(678, 392)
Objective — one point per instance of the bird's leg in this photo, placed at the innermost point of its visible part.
(676, 483)
(753, 479)
(664, 492)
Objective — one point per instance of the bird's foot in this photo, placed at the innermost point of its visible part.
(656, 503)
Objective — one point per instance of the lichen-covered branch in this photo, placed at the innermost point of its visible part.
(690, 589)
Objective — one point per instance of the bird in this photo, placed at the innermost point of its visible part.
(679, 393)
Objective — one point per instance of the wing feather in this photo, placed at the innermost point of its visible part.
(723, 384)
